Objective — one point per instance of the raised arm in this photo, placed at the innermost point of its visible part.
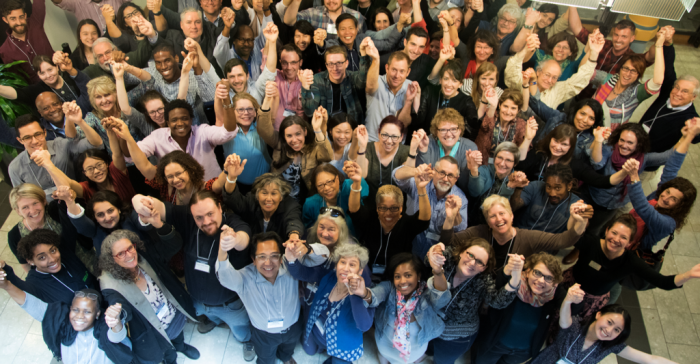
(149, 206)
(659, 66)
(532, 16)
(641, 357)
(184, 85)
(75, 115)
(600, 134)
(362, 141)
(290, 16)
(354, 172)
(530, 133)
(422, 177)
(367, 48)
(155, 7)
(574, 21)
(17, 294)
(223, 108)
(122, 96)
(108, 14)
(43, 159)
(446, 53)
(574, 295)
(137, 155)
(114, 145)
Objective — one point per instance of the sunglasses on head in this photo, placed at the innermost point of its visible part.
(82, 294)
(334, 212)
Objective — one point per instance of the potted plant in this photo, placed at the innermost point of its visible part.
(10, 109)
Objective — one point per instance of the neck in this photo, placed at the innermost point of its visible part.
(332, 202)
(268, 215)
(552, 160)
(182, 141)
(58, 124)
(364, 4)
(435, 2)
(271, 279)
(212, 17)
(20, 36)
(619, 53)
(447, 149)
(591, 337)
(450, 96)
(407, 8)
(114, 112)
(387, 228)
(439, 194)
(337, 148)
(395, 89)
(104, 185)
(136, 272)
(59, 83)
(338, 82)
(504, 238)
(244, 128)
(619, 87)
(30, 227)
(335, 14)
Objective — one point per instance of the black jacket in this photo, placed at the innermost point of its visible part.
(287, 217)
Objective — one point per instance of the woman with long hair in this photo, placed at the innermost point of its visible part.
(486, 77)
(341, 128)
(82, 55)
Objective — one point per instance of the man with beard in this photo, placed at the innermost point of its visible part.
(26, 38)
(387, 94)
(441, 191)
(421, 64)
(323, 17)
(338, 89)
(89, 9)
(245, 46)
(203, 227)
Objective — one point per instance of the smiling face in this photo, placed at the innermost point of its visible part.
(347, 31)
(264, 263)
(103, 52)
(130, 14)
(269, 198)
(393, 139)
(406, 279)
(388, 217)
(83, 313)
(207, 215)
(548, 75)
(192, 25)
(472, 266)
(130, 259)
(177, 176)
(17, 20)
(449, 135)
(506, 25)
(449, 84)
(499, 219)
(337, 64)
(488, 79)
(327, 232)
(482, 51)
(88, 34)
(211, 7)
(546, 20)
(508, 110)
(539, 285)
(609, 326)
(669, 198)
(37, 136)
(50, 107)
(32, 210)
(561, 51)
(243, 115)
(295, 136)
(238, 79)
(167, 66)
(434, 52)
(414, 46)
(627, 143)
(450, 174)
(244, 42)
(381, 21)
(396, 73)
(617, 238)
(49, 74)
(95, 169)
(180, 123)
(290, 64)
(106, 214)
(621, 39)
(106, 102)
(457, 16)
(346, 266)
(584, 118)
(556, 189)
(504, 163)
(682, 93)
(301, 40)
(559, 148)
(155, 109)
(46, 259)
(329, 185)
(333, 5)
(342, 134)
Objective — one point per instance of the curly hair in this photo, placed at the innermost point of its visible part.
(549, 261)
(643, 143)
(564, 37)
(461, 245)
(561, 132)
(626, 220)
(121, 20)
(269, 178)
(343, 231)
(177, 104)
(561, 171)
(447, 115)
(679, 213)
(104, 86)
(106, 261)
(26, 245)
(187, 162)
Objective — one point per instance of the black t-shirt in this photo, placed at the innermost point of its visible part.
(204, 286)
(338, 104)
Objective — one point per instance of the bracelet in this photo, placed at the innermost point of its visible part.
(593, 60)
(354, 190)
(263, 110)
(659, 46)
(158, 13)
(228, 106)
(526, 86)
(528, 27)
(368, 294)
(229, 181)
(412, 156)
(514, 288)
(485, 103)
(293, 232)
(363, 153)
(421, 195)
(318, 132)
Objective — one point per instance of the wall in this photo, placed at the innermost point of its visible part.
(60, 26)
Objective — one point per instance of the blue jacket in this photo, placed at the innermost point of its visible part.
(313, 204)
(478, 186)
(658, 225)
(555, 118)
(88, 228)
(432, 300)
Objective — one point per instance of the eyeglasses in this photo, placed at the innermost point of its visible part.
(157, 111)
(98, 166)
(177, 175)
(209, 1)
(442, 174)
(39, 136)
(130, 250)
(472, 258)
(629, 70)
(287, 64)
(537, 274)
(452, 131)
(274, 258)
(385, 209)
(326, 184)
(335, 65)
(550, 76)
(334, 212)
(245, 110)
(562, 47)
(246, 40)
(682, 91)
(393, 138)
(509, 22)
(133, 13)
(81, 294)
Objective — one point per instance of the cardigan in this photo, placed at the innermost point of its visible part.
(313, 204)
(434, 152)
(285, 220)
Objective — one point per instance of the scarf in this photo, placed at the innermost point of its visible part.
(618, 160)
(526, 295)
(453, 152)
(605, 89)
(402, 334)
(641, 228)
(49, 223)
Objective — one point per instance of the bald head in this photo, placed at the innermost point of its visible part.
(548, 73)
(50, 107)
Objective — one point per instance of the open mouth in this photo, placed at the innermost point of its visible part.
(52, 266)
(131, 260)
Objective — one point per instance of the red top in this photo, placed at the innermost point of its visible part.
(120, 181)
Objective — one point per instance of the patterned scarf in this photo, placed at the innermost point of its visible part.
(526, 295)
(402, 334)
(641, 228)
(49, 223)
(618, 160)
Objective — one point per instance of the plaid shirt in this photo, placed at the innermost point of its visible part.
(321, 94)
(319, 18)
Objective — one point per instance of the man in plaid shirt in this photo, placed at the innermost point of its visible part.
(322, 17)
(609, 58)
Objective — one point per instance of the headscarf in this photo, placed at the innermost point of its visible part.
(526, 295)
(618, 160)
(402, 334)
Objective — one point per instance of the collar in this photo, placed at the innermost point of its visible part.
(431, 188)
(216, 21)
(54, 127)
(678, 108)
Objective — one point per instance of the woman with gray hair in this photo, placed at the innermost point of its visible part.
(505, 24)
(338, 316)
(268, 206)
(156, 304)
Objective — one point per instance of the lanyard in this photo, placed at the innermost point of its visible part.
(35, 177)
(657, 115)
(381, 244)
(551, 217)
(464, 284)
(505, 182)
(69, 89)
(544, 165)
(572, 345)
(59, 281)
(509, 246)
(606, 56)
(20, 49)
(210, 249)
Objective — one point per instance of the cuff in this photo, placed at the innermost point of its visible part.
(82, 212)
(117, 337)
(153, 42)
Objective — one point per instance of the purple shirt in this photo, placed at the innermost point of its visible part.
(37, 43)
(289, 98)
(86, 9)
(201, 145)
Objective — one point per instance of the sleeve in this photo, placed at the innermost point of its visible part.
(309, 212)
(463, 55)
(477, 185)
(385, 40)
(139, 57)
(607, 154)
(513, 77)
(599, 78)
(306, 274)
(266, 129)
(565, 90)
(148, 144)
(122, 42)
(497, 298)
(292, 217)
(673, 166)
(237, 202)
(68, 5)
(117, 337)
(659, 225)
(222, 52)
(13, 238)
(311, 98)
(657, 159)
(545, 112)
(431, 25)
(561, 25)
(81, 80)
(138, 121)
(541, 241)
(406, 185)
(39, 11)
(379, 293)
(669, 71)
(527, 192)
(34, 307)
(83, 224)
(359, 78)
(216, 135)
(206, 84)
(364, 316)
(584, 172)
(438, 299)
(583, 36)
(643, 270)
(229, 277)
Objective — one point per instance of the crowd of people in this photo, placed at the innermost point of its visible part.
(477, 138)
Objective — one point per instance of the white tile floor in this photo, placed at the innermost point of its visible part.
(672, 319)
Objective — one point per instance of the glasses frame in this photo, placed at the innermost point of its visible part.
(537, 275)
(39, 136)
(472, 258)
(274, 257)
(122, 254)
(334, 212)
(91, 170)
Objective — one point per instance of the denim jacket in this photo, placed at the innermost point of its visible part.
(555, 118)
(430, 302)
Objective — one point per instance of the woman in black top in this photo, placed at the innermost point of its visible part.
(88, 32)
(394, 230)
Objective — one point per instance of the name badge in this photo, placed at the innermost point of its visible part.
(202, 266)
(432, 236)
(646, 128)
(312, 287)
(595, 265)
(321, 327)
(330, 29)
(378, 269)
(490, 160)
(163, 311)
(275, 324)
(564, 361)
(288, 113)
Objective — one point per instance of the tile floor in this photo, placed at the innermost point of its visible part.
(666, 322)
